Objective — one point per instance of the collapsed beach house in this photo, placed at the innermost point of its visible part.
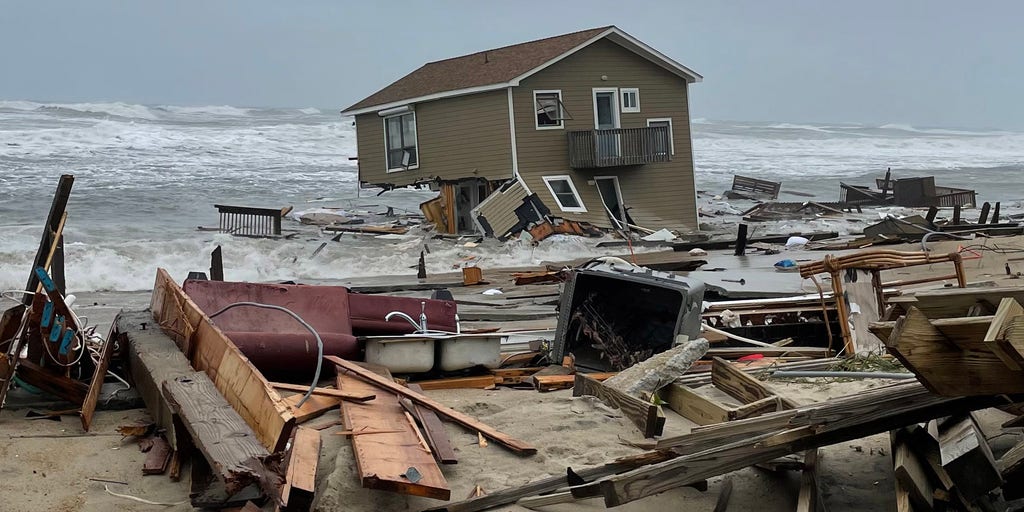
(592, 126)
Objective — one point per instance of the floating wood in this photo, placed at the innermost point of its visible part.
(509, 442)
(433, 430)
(385, 457)
(300, 479)
(227, 443)
(646, 416)
(209, 350)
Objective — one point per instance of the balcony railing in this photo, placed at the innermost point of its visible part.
(593, 149)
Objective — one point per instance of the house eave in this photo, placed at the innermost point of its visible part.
(430, 97)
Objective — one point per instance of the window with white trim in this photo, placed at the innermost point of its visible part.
(400, 141)
(549, 108)
(630, 100)
(565, 194)
(660, 146)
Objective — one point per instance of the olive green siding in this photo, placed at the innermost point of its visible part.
(499, 208)
(658, 194)
(460, 137)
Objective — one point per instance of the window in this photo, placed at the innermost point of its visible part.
(630, 100)
(550, 111)
(564, 192)
(400, 140)
(660, 146)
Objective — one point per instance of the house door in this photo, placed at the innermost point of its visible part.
(611, 196)
(606, 117)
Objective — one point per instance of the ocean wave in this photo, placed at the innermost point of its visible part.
(205, 110)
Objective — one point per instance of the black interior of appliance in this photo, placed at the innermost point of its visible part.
(615, 323)
(804, 334)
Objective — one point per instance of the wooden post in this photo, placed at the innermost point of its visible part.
(216, 265)
(983, 219)
(741, 240)
(843, 313)
(995, 214)
(57, 266)
(956, 214)
(933, 211)
(421, 268)
(50, 230)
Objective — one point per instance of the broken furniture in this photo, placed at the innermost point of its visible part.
(744, 187)
(909, 192)
(875, 262)
(613, 315)
(249, 221)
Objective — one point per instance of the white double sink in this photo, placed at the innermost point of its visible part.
(447, 352)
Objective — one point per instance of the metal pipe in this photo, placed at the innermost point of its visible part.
(841, 374)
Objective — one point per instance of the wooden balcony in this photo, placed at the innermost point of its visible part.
(592, 149)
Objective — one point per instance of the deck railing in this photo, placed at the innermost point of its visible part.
(592, 149)
(247, 221)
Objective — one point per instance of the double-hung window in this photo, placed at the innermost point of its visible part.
(400, 138)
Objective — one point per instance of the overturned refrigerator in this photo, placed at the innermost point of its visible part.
(613, 314)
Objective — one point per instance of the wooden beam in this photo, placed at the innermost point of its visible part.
(383, 458)
(57, 385)
(299, 487)
(742, 386)
(479, 382)
(645, 415)
(947, 368)
(465, 420)
(227, 443)
(433, 430)
(807, 499)
(1010, 351)
(694, 406)
(556, 382)
(910, 471)
(210, 351)
(967, 458)
(336, 393)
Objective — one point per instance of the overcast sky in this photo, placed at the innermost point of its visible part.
(927, 63)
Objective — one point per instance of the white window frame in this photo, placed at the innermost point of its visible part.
(671, 134)
(415, 125)
(561, 111)
(629, 110)
(615, 107)
(572, 186)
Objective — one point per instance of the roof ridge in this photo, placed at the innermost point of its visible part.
(559, 36)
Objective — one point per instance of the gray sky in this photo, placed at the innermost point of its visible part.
(927, 63)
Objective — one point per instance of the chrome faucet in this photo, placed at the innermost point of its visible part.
(421, 327)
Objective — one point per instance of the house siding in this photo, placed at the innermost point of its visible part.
(499, 208)
(659, 195)
(457, 138)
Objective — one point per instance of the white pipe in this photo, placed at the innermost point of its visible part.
(737, 338)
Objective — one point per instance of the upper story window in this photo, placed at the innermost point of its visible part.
(661, 146)
(400, 139)
(630, 100)
(549, 108)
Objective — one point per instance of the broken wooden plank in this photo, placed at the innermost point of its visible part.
(300, 479)
(556, 382)
(996, 336)
(434, 431)
(967, 458)
(57, 385)
(316, 406)
(157, 458)
(390, 449)
(96, 383)
(336, 393)
(478, 382)
(152, 358)
(807, 499)
(224, 439)
(210, 351)
(742, 386)
(646, 416)
(910, 471)
(513, 444)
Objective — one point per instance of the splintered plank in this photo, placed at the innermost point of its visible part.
(807, 499)
(947, 368)
(742, 386)
(210, 351)
(96, 383)
(967, 458)
(337, 393)
(312, 408)
(996, 336)
(227, 443)
(300, 479)
(910, 472)
(646, 416)
(157, 458)
(433, 430)
(389, 448)
(465, 420)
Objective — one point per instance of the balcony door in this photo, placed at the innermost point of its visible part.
(606, 117)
